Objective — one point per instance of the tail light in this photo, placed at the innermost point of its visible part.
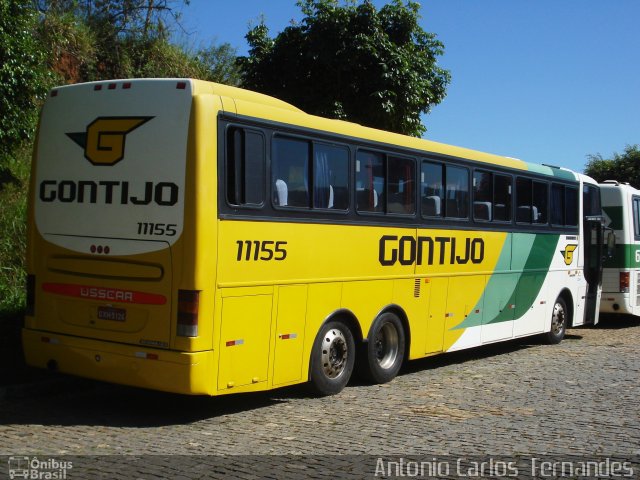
(31, 295)
(188, 304)
(624, 282)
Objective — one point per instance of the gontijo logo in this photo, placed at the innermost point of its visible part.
(104, 139)
(567, 253)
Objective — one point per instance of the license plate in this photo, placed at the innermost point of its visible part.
(113, 314)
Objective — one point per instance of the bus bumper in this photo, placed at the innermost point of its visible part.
(615, 303)
(138, 366)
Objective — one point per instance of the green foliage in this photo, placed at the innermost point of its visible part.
(106, 39)
(23, 76)
(374, 67)
(13, 225)
(624, 167)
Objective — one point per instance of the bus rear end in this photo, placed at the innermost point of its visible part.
(621, 277)
(108, 297)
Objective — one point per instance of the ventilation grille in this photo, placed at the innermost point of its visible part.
(416, 288)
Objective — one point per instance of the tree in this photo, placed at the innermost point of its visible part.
(105, 39)
(374, 67)
(623, 167)
(24, 78)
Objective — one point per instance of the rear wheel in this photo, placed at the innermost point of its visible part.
(332, 358)
(384, 351)
(559, 320)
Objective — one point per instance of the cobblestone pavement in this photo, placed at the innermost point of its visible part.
(579, 397)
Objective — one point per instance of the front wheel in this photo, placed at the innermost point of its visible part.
(332, 358)
(384, 350)
(559, 320)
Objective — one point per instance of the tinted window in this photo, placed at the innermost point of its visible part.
(502, 198)
(431, 191)
(457, 192)
(482, 196)
(245, 164)
(524, 190)
(401, 185)
(636, 217)
(290, 172)
(557, 204)
(591, 201)
(370, 182)
(330, 177)
(571, 206)
(540, 205)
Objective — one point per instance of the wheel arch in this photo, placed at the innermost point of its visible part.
(349, 319)
(566, 295)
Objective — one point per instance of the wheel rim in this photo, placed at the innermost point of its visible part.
(334, 353)
(557, 319)
(386, 345)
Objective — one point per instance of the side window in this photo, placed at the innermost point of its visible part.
(591, 201)
(330, 177)
(245, 167)
(571, 206)
(401, 185)
(290, 172)
(557, 204)
(457, 192)
(564, 205)
(482, 196)
(370, 181)
(636, 217)
(502, 198)
(431, 189)
(540, 205)
(532, 201)
(523, 200)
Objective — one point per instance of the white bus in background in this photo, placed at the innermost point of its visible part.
(621, 279)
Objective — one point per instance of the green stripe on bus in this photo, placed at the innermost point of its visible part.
(521, 292)
(625, 256)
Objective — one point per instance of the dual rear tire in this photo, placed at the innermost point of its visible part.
(334, 354)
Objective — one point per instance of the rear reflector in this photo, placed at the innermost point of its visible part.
(624, 282)
(188, 304)
(126, 85)
(181, 85)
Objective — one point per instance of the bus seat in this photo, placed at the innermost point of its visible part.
(500, 212)
(281, 192)
(431, 206)
(340, 197)
(452, 208)
(395, 203)
(367, 200)
(330, 202)
(524, 214)
(482, 211)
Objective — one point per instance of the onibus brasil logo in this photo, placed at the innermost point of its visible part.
(104, 139)
(35, 468)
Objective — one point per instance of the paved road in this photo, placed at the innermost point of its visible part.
(580, 397)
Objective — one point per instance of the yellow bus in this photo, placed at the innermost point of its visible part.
(197, 238)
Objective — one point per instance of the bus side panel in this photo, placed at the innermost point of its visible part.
(245, 338)
(289, 334)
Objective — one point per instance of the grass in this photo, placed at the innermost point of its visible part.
(14, 185)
